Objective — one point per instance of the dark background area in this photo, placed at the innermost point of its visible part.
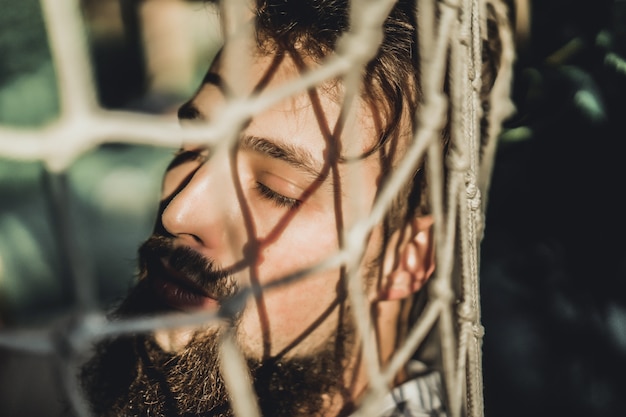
(553, 258)
(553, 276)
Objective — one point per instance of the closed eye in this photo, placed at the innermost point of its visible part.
(278, 199)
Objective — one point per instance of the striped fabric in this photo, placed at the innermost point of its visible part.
(420, 396)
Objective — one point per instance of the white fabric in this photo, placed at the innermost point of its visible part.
(420, 396)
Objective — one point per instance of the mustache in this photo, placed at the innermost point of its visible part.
(159, 252)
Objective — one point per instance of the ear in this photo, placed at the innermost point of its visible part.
(409, 260)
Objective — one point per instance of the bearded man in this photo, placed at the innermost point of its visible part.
(273, 206)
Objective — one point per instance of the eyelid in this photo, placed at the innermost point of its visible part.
(278, 199)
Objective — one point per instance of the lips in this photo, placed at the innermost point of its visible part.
(177, 291)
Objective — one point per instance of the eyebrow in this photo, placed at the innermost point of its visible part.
(297, 157)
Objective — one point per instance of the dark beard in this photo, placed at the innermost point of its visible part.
(132, 376)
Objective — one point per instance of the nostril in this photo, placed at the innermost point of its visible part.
(189, 239)
(196, 238)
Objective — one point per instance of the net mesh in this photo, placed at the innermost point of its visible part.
(451, 35)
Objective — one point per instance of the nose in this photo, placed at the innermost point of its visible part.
(203, 210)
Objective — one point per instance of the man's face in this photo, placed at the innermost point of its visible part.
(274, 207)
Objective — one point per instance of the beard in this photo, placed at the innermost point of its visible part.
(131, 375)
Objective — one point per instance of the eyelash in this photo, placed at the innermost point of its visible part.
(278, 199)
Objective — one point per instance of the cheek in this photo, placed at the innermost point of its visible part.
(300, 316)
(301, 242)
(285, 313)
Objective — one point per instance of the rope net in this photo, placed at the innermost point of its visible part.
(451, 38)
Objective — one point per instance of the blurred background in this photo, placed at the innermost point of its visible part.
(553, 267)
(148, 56)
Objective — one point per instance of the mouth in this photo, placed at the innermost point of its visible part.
(179, 292)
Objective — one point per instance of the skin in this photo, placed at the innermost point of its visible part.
(277, 216)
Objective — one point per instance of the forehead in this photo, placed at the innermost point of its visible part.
(311, 119)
